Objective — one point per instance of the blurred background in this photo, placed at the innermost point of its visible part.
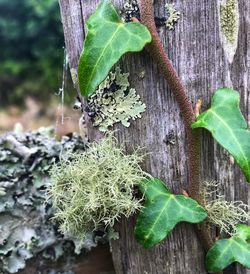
(34, 80)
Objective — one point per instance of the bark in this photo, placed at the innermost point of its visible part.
(204, 64)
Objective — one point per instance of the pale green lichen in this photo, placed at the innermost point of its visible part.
(173, 16)
(228, 20)
(224, 214)
(95, 188)
(114, 101)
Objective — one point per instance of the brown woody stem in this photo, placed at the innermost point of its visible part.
(159, 55)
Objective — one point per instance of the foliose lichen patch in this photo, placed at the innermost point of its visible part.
(114, 101)
(26, 228)
(228, 20)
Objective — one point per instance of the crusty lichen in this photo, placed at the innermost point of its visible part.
(224, 214)
(114, 101)
(173, 16)
(25, 225)
(95, 188)
(228, 20)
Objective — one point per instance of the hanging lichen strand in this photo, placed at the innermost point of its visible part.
(95, 188)
(226, 215)
(228, 20)
(114, 101)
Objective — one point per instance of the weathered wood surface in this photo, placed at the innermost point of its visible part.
(200, 59)
(97, 261)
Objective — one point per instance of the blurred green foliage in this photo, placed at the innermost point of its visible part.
(31, 40)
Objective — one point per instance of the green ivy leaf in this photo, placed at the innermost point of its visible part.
(228, 126)
(162, 211)
(108, 38)
(226, 251)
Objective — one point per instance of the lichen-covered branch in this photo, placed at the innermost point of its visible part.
(26, 228)
(16, 147)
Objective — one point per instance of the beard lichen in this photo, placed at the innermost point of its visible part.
(114, 101)
(224, 214)
(95, 188)
(228, 20)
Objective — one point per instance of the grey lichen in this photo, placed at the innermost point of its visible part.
(173, 16)
(130, 9)
(228, 20)
(114, 101)
(95, 188)
(224, 214)
(26, 228)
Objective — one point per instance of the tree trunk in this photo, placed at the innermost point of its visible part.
(204, 63)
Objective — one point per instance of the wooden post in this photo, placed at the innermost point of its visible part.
(204, 62)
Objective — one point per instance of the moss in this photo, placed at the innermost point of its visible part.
(173, 16)
(228, 20)
(225, 215)
(95, 188)
(114, 101)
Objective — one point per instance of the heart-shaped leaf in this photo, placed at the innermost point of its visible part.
(228, 126)
(162, 211)
(108, 38)
(226, 251)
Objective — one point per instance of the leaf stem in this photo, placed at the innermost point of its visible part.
(157, 51)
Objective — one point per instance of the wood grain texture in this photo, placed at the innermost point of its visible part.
(97, 261)
(198, 55)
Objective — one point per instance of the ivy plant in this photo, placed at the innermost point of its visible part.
(108, 38)
(228, 126)
(162, 211)
(226, 251)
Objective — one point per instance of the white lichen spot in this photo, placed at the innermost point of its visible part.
(224, 214)
(173, 16)
(114, 101)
